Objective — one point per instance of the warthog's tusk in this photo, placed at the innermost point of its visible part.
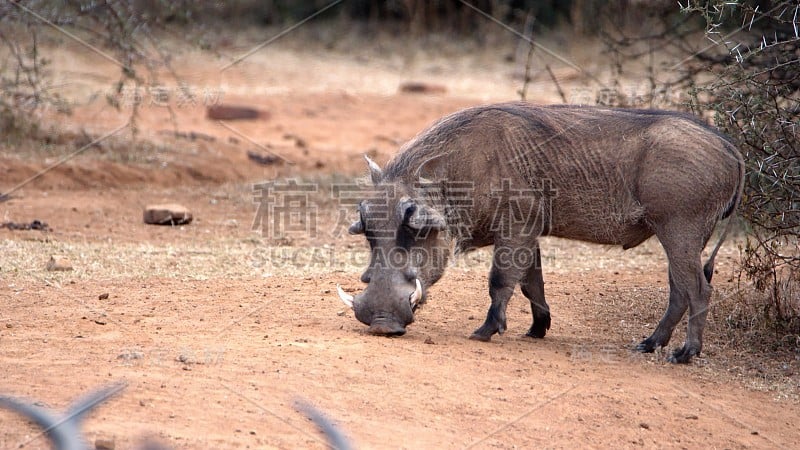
(346, 298)
(416, 295)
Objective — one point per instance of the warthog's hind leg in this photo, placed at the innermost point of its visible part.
(533, 288)
(678, 304)
(688, 289)
(698, 311)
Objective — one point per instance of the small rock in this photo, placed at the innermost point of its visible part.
(692, 417)
(100, 321)
(103, 296)
(429, 341)
(59, 264)
(644, 425)
(231, 223)
(261, 158)
(33, 225)
(8, 325)
(167, 214)
(298, 141)
(130, 355)
(195, 135)
(418, 87)
(104, 444)
(231, 112)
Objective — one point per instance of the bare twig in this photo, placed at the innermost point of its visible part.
(527, 76)
(555, 82)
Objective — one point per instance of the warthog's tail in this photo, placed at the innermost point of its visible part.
(708, 269)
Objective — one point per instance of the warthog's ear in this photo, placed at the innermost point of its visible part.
(421, 217)
(375, 172)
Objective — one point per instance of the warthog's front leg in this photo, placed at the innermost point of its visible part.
(503, 278)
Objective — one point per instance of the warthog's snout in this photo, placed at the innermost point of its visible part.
(386, 328)
(393, 313)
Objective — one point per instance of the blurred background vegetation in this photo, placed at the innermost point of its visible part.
(744, 71)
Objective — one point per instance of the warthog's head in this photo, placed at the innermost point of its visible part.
(409, 252)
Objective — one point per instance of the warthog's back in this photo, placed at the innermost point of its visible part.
(611, 173)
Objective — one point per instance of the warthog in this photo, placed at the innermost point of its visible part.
(508, 173)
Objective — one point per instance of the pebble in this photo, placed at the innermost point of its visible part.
(233, 112)
(418, 87)
(59, 264)
(167, 214)
(104, 444)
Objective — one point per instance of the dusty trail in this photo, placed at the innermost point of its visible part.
(218, 363)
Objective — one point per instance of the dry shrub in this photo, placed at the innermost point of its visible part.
(755, 96)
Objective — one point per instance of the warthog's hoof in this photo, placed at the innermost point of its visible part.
(539, 328)
(647, 346)
(683, 355)
(536, 332)
(489, 328)
(479, 337)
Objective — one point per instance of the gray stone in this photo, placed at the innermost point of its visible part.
(167, 214)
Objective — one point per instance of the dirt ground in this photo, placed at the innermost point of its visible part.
(219, 329)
